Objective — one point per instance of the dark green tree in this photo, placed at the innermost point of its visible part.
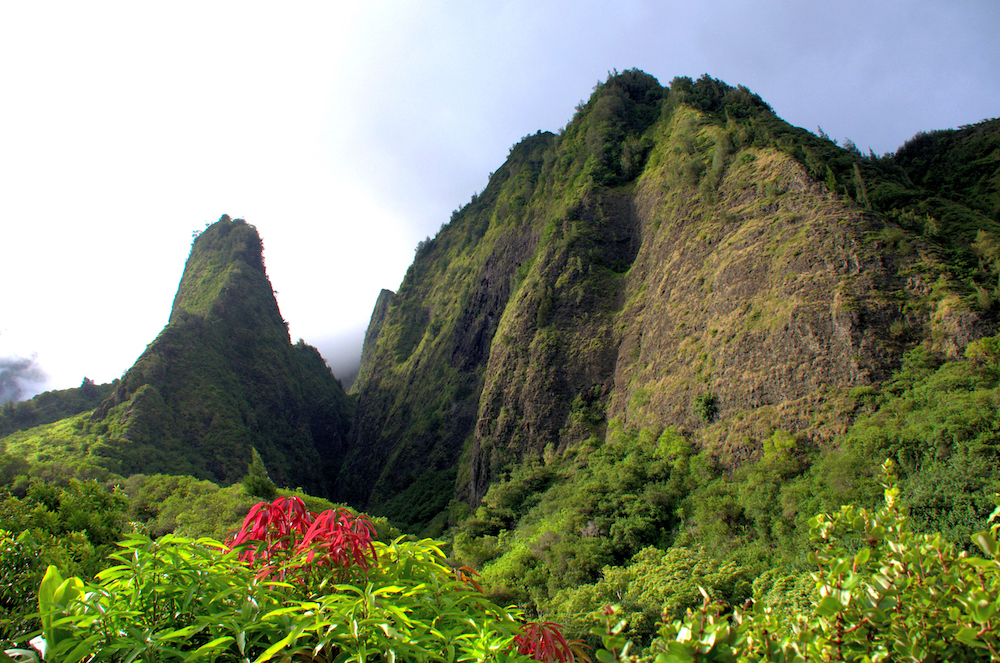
(257, 482)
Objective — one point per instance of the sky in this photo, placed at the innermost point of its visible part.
(346, 132)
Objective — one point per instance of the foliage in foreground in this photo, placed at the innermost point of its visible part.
(883, 593)
(73, 527)
(292, 585)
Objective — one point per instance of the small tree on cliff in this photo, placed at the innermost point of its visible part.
(257, 483)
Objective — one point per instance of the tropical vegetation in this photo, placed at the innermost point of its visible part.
(683, 383)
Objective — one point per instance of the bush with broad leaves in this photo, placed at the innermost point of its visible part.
(289, 586)
(883, 593)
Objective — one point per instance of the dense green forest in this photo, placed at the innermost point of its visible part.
(684, 382)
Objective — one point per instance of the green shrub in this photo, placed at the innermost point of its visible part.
(175, 599)
(257, 483)
(705, 407)
(882, 592)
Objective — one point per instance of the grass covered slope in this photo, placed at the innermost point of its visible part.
(51, 406)
(645, 517)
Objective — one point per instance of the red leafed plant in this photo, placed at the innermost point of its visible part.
(338, 537)
(544, 641)
(272, 529)
(276, 532)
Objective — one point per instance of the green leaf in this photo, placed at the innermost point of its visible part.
(50, 581)
(828, 607)
(114, 573)
(185, 632)
(604, 656)
(708, 640)
(979, 563)
(281, 611)
(969, 636)
(987, 542)
(982, 611)
(399, 613)
(135, 653)
(82, 650)
(620, 626)
(680, 650)
(614, 641)
(276, 647)
(209, 646)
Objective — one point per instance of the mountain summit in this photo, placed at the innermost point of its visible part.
(223, 378)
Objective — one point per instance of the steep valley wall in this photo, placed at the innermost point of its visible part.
(663, 261)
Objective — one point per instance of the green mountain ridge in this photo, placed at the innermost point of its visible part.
(221, 379)
(675, 257)
(223, 376)
(51, 406)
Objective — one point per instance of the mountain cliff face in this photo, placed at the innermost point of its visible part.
(223, 377)
(676, 257)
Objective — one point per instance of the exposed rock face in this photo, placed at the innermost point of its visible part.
(756, 300)
(223, 377)
(671, 248)
(420, 383)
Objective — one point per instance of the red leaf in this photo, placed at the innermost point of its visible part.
(336, 537)
(544, 641)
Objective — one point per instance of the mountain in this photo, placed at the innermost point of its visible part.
(676, 257)
(962, 165)
(223, 377)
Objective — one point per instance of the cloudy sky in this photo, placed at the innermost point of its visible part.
(348, 131)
